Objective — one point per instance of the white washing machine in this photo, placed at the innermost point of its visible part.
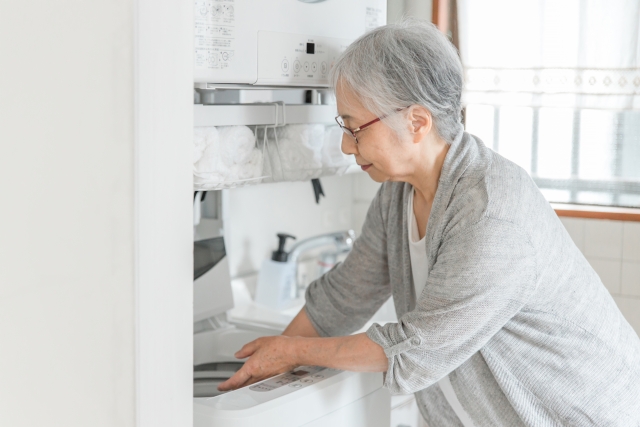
(308, 396)
(404, 408)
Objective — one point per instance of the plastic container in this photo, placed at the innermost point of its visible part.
(276, 286)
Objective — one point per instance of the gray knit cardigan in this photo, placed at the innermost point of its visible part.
(511, 309)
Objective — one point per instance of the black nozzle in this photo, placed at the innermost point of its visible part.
(280, 255)
(317, 189)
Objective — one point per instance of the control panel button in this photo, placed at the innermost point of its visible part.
(323, 67)
(314, 67)
(306, 66)
(296, 66)
(300, 378)
(285, 66)
(262, 387)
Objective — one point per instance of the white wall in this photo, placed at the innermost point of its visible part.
(254, 215)
(396, 9)
(613, 250)
(95, 233)
(66, 230)
(163, 213)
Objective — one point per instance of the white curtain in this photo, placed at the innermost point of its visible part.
(554, 85)
(573, 53)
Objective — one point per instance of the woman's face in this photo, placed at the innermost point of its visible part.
(380, 152)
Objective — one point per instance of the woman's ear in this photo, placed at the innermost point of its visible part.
(421, 122)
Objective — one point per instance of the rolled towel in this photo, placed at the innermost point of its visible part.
(199, 142)
(209, 162)
(300, 146)
(237, 144)
(294, 163)
(309, 135)
(230, 155)
(332, 154)
(252, 168)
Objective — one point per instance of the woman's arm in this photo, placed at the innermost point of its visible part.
(338, 303)
(270, 356)
(301, 326)
(351, 353)
(342, 301)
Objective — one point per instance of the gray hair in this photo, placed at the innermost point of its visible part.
(403, 64)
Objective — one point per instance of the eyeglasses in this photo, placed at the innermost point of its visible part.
(352, 132)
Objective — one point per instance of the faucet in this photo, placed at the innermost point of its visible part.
(278, 282)
(341, 240)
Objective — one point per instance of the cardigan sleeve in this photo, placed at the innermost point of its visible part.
(481, 278)
(344, 299)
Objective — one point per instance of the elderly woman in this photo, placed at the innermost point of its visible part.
(502, 322)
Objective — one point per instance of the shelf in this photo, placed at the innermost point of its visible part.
(215, 86)
(261, 114)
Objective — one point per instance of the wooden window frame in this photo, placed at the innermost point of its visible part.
(444, 14)
(596, 212)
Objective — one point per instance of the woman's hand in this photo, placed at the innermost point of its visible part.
(268, 356)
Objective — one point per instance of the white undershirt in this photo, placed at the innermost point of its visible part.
(417, 251)
(419, 270)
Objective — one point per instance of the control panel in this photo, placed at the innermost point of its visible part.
(299, 378)
(273, 388)
(290, 59)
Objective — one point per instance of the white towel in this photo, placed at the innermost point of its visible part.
(230, 155)
(301, 146)
(199, 142)
(238, 144)
(332, 155)
(298, 153)
(252, 168)
(209, 161)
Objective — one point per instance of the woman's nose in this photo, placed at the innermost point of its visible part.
(349, 145)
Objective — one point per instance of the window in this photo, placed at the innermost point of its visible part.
(555, 87)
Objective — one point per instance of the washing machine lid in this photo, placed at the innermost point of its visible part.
(212, 294)
(287, 400)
